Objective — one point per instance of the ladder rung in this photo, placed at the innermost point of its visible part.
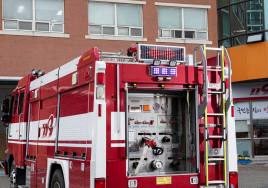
(214, 114)
(215, 159)
(210, 67)
(216, 49)
(216, 182)
(215, 92)
(214, 70)
(215, 136)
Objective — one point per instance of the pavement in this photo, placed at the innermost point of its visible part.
(253, 175)
(4, 180)
(249, 176)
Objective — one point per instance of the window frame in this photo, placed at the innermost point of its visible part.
(115, 21)
(33, 21)
(182, 25)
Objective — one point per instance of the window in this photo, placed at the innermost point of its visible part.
(33, 15)
(16, 103)
(115, 19)
(182, 23)
(239, 19)
(11, 107)
(20, 108)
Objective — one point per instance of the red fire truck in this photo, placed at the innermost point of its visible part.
(151, 118)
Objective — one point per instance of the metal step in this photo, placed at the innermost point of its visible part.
(215, 92)
(212, 186)
(214, 69)
(215, 114)
(22, 186)
(215, 136)
(216, 182)
(216, 159)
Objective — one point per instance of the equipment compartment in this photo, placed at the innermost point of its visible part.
(159, 122)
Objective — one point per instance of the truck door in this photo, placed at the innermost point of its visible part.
(21, 126)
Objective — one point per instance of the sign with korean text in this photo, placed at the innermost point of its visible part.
(260, 109)
(242, 110)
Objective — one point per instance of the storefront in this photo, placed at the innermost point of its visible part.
(251, 118)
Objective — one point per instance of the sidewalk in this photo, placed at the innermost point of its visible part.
(253, 175)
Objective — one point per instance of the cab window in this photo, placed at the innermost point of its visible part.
(16, 103)
(20, 108)
(11, 107)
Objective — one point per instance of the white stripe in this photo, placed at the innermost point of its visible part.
(118, 145)
(75, 145)
(16, 142)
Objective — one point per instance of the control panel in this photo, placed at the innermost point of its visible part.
(156, 121)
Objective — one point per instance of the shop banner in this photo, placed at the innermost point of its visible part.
(260, 110)
(242, 110)
(250, 90)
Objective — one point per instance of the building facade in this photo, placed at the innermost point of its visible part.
(45, 34)
(243, 29)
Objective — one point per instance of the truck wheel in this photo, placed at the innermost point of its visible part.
(57, 180)
(13, 176)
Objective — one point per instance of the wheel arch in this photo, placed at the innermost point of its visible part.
(53, 165)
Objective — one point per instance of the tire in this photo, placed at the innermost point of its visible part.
(13, 176)
(57, 180)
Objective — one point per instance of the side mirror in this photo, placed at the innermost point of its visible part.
(5, 119)
(5, 106)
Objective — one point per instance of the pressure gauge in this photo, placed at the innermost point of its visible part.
(156, 106)
(164, 106)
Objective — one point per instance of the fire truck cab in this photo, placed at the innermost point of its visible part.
(105, 120)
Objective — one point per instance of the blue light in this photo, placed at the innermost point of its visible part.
(164, 71)
(173, 71)
(156, 70)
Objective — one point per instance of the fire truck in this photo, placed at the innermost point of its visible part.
(154, 118)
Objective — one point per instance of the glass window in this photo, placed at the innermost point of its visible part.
(244, 147)
(261, 146)
(260, 128)
(113, 19)
(134, 10)
(242, 129)
(101, 13)
(21, 99)
(17, 9)
(224, 23)
(11, 107)
(254, 16)
(266, 36)
(166, 17)
(195, 19)
(222, 3)
(238, 41)
(266, 14)
(28, 17)
(49, 10)
(238, 19)
(236, 1)
(171, 25)
(259, 109)
(226, 43)
(16, 103)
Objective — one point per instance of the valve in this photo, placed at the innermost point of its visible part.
(175, 164)
(157, 164)
(158, 151)
(135, 164)
(166, 139)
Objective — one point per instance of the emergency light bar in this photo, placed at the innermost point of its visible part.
(163, 71)
(163, 53)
